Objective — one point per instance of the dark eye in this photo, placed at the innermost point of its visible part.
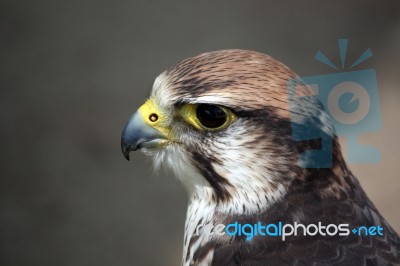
(210, 116)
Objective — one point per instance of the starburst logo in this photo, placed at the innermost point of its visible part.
(351, 100)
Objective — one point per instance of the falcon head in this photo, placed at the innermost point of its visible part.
(230, 125)
(222, 121)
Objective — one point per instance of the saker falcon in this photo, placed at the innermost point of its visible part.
(222, 121)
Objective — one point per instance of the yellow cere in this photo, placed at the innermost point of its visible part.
(188, 112)
(154, 117)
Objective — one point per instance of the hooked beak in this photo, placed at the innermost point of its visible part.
(137, 134)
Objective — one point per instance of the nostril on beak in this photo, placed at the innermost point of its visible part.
(153, 117)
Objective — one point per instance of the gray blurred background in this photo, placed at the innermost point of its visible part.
(72, 72)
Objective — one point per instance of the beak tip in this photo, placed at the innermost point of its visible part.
(126, 155)
(125, 150)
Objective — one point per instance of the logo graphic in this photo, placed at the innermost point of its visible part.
(350, 99)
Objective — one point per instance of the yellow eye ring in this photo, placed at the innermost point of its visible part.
(207, 116)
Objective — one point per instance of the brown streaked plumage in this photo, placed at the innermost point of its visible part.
(249, 170)
(248, 79)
